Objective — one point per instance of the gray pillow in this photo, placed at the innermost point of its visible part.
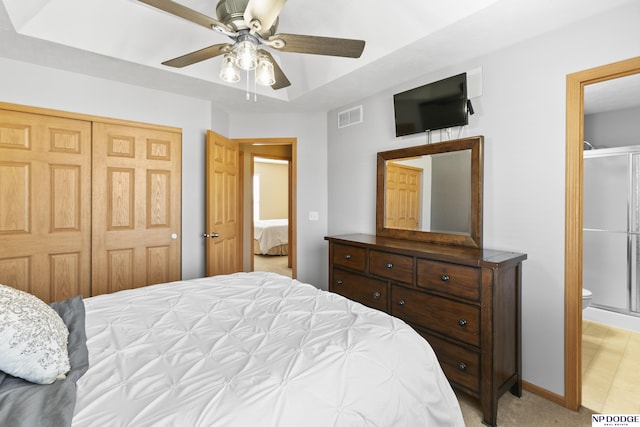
(24, 404)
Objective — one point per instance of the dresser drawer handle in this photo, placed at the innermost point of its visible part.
(401, 302)
(462, 366)
(338, 282)
(444, 277)
(347, 256)
(376, 295)
(462, 323)
(389, 266)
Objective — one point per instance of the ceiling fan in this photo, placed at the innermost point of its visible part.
(252, 25)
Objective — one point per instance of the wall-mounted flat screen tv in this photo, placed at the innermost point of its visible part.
(437, 105)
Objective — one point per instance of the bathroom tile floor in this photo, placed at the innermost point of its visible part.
(610, 369)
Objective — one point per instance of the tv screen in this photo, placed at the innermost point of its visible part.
(436, 105)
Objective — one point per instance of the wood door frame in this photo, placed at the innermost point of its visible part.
(245, 142)
(574, 216)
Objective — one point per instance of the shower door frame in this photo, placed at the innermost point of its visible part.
(632, 230)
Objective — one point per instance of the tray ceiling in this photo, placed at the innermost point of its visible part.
(126, 40)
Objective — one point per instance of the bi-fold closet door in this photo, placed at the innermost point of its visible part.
(87, 207)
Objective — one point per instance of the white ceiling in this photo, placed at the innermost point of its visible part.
(126, 40)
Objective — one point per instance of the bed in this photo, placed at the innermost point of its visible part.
(271, 237)
(254, 349)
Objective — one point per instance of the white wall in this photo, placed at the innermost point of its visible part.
(619, 128)
(521, 113)
(28, 84)
(311, 133)
(273, 200)
(37, 86)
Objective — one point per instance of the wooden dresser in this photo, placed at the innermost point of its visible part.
(464, 301)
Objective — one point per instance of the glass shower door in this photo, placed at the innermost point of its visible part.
(607, 243)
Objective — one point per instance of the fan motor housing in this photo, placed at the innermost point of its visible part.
(231, 13)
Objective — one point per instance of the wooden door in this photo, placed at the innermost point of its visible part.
(403, 194)
(45, 204)
(136, 207)
(223, 219)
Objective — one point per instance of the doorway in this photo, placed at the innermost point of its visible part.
(271, 176)
(274, 223)
(574, 217)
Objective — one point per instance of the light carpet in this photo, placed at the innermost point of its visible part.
(528, 411)
(273, 263)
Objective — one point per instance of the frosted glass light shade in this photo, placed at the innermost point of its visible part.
(264, 72)
(246, 55)
(229, 72)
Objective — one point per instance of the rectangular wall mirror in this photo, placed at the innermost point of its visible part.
(431, 193)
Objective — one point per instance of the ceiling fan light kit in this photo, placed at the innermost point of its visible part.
(247, 59)
(252, 25)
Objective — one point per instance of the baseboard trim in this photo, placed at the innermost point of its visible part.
(544, 393)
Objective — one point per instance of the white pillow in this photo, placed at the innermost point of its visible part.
(33, 338)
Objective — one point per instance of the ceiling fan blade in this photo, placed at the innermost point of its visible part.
(316, 45)
(281, 80)
(264, 11)
(199, 55)
(189, 14)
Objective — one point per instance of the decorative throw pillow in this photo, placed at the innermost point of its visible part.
(33, 338)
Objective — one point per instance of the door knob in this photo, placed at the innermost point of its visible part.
(212, 235)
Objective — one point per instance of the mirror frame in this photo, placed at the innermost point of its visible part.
(474, 238)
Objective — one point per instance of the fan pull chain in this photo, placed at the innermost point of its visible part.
(255, 89)
(248, 96)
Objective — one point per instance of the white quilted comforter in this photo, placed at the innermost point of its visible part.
(255, 349)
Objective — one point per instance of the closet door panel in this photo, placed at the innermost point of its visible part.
(137, 207)
(45, 204)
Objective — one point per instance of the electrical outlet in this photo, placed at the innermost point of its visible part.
(313, 216)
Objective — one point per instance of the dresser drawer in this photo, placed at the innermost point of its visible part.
(349, 256)
(392, 266)
(460, 365)
(453, 279)
(454, 319)
(365, 290)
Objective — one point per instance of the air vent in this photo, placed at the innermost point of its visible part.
(350, 117)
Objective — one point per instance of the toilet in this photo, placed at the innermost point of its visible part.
(586, 298)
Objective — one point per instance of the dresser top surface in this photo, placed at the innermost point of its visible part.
(472, 256)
